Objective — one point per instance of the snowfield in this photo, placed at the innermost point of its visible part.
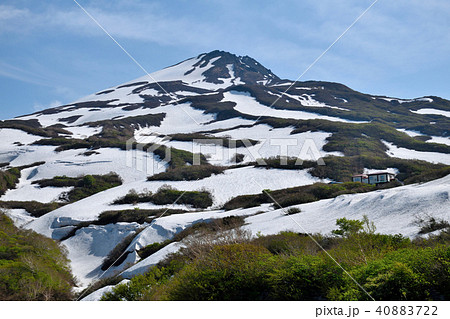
(73, 163)
(25, 191)
(91, 245)
(234, 182)
(82, 132)
(434, 139)
(10, 136)
(393, 210)
(432, 111)
(246, 104)
(432, 157)
(143, 266)
(297, 145)
(195, 78)
(401, 101)
(409, 132)
(35, 193)
(440, 140)
(306, 146)
(20, 217)
(182, 118)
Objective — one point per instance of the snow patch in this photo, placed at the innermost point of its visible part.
(432, 157)
(432, 111)
(247, 104)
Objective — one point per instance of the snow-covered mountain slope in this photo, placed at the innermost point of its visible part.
(207, 104)
(234, 182)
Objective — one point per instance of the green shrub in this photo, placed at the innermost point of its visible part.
(143, 286)
(304, 278)
(237, 158)
(407, 274)
(200, 229)
(168, 195)
(290, 266)
(32, 267)
(231, 272)
(297, 195)
(88, 181)
(134, 197)
(197, 199)
(347, 227)
(288, 243)
(293, 210)
(8, 179)
(84, 186)
(431, 224)
(134, 215)
(33, 127)
(152, 248)
(188, 173)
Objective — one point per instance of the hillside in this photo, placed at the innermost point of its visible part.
(212, 137)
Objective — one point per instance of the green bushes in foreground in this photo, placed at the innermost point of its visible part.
(290, 266)
(32, 267)
(250, 272)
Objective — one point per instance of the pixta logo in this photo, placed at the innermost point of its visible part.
(152, 152)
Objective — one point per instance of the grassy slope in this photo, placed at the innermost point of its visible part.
(291, 266)
(32, 267)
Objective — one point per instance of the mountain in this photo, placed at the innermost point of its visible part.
(95, 174)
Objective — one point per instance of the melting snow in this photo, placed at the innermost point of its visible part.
(247, 104)
(440, 140)
(393, 211)
(432, 111)
(409, 132)
(432, 157)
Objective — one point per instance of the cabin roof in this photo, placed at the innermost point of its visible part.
(375, 173)
(381, 172)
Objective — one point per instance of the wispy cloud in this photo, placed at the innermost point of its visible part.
(392, 33)
(20, 74)
(399, 36)
(39, 107)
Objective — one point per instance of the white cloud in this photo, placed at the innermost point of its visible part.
(10, 12)
(20, 74)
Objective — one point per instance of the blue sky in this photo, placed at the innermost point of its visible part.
(51, 53)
